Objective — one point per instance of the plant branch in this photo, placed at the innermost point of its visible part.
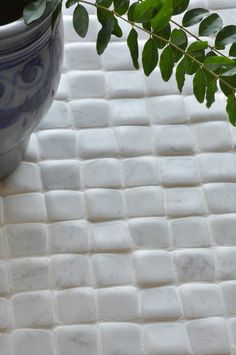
(197, 38)
(162, 39)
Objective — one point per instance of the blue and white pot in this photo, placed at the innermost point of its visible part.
(30, 67)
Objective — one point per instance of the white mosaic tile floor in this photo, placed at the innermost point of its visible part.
(118, 230)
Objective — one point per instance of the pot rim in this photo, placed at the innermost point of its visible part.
(18, 27)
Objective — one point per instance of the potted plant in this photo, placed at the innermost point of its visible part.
(30, 66)
(171, 45)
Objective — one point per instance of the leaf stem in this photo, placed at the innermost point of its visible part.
(133, 24)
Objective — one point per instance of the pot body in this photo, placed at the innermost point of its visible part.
(30, 68)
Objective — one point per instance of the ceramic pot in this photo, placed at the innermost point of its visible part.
(30, 67)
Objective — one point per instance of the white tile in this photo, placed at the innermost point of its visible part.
(26, 178)
(213, 137)
(4, 284)
(155, 85)
(118, 304)
(223, 229)
(141, 171)
(86, 84)
(145, 201)
(112, 269)
(160, 304)
(221, 197)
(153, 268)
(194, 265)
(5, 344)
(200, 113)
(33, 309)
(200, 301)
(25, 208)
(72, 338)
(33, 342)
(192, 232)
(217, 167)
(183, 202)
(129, 112)
(111, 236)
(125, 84)
(104, 204)
(1, 210)
(150, 233)
(127, 138)
(121, 338)
(68, 237)
(70, 270)
(82, 56)
(76, 306)
(3, 244)
(97, 143)
(102, 173)
(60, 175)
(90, 113)
(5, 315)
(165, 339)
(64, 205)
(226, 262)
(163, 113)
(58, 116)
(229, 294)
(208, 336)
(173, 140)
(179, 172)
(29, 274)
(57, 144)
(117, 57)
(27, 239)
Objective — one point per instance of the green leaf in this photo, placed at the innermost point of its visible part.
(166, 63)
(230, 71)
(199, 85)
(105, 3)
(215, 62)
(117, 30)
(149, 56)
(225, 88)
(103, 16)
(121, 6)
(226, 36)
(163, 16)
(70, 3)
(180, 74)
(191, 66)
(198, 46)
(34, 11)
(132, 42)
(180, 39)
(131, 11)
(210, 92)
(104, 35)
(165, 34)
(231, 109)
(179, 6)
(210, 25)
(232, 51)
(194, 16)
(81, 20)
(143, 11)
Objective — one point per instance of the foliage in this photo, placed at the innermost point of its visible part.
(170, 44)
